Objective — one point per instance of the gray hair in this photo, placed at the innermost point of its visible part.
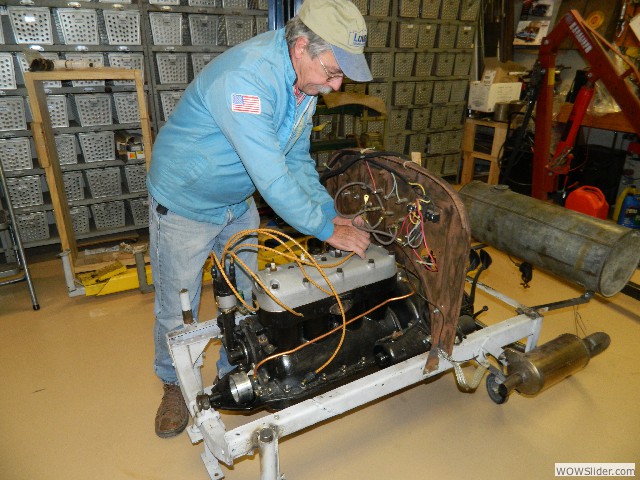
(296, 29)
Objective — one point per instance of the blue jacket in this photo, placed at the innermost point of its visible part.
(237, 128)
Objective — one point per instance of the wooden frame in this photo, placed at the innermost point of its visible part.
(45, 142)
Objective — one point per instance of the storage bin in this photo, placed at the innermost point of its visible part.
(462, 65)
(139, 208)
(403, 93)
(403, 64)
(363, 6)
(97, 146)
(430, 8)
(7, 72)
(96, 59)
(108, 215)
(444, 64)
(397, 143)
(398, 120)
(380, 90)
(31, 25)
(238, 28)
(438, 117)
(427, 35)
(449, 9)
(166, 28)
(200, 60)
(80, 219)
(424, 64)
(417, 142)
(123, 27)
(447, 35)
(459, 90)
(407, 35)
(93, 109)
(451, 164)
(126, 60)
(12, 114)
(433, 164)
(466, 36)
(408, 8)
(441, 91)
(25, 191)
(423, 93)
(136, 177)
(379, 8)
(78, 26)
(420, 118)
(469, 10)
(23, 65)
(172, 68)
(380, 64)
(126, 107)
(66, 148)
(168, 101)
(377, 34)
(33, 226)
(73, 186)
(203, 29)
(104, 182)
(15, 154)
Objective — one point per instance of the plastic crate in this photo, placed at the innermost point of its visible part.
(466, 36)
(108, 215)
(78, 26)
(139, 208)
(58, 112)
(136, 177)
(420, 118)
(172, 68)
(377, 34)
(434, 164)
(169, 100)
(403, 93)
(126, 107)
(459, 90)
(427, 35)
(398, 120)
(404, 64)
(166, 28)
(96, 59)
(25, 191)
(15, 153)
(444, 64)
(438, 117)
(424, 64)
(379, 8)
(451, 164)
(449, 10)
(380, 64)
(469, 10)
(12, 114)
(73, 187)
(462, 65)
(126, 60)
(417, 142)
(407, 35)
(123, 27)
(447, 35)
(80, 219)
(23, 64)
(423, 93)
(97, 146)
(238, 29)
(203, 29)
(380, 90)
(33, 226)
(31, 25)
(441, 91)
(104, 182)
(408, 8)
(430, 8)
(93, 109)
(200, 60)
(67, 149)
(7, 72)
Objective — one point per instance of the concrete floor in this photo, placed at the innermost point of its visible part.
(79, 396)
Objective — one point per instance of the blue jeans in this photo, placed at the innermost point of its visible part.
(178, 249)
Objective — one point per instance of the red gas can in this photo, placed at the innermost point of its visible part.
(589, 200)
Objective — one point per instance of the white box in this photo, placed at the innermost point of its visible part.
(483, 97)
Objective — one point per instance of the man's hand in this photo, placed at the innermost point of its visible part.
(347, 237)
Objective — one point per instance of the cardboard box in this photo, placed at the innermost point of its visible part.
(483, 96)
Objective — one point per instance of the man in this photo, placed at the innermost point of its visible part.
(244, 124)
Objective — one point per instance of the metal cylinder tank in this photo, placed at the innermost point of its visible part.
(597, 254)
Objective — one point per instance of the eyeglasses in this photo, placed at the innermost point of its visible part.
(329, 75)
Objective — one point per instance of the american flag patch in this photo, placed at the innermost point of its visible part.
(245, 103)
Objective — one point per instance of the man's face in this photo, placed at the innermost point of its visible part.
(320, 74)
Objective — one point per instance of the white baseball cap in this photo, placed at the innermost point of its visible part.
(340, 23)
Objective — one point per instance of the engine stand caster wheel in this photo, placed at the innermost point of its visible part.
(493, 389)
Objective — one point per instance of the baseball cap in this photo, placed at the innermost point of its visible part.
(340, 23)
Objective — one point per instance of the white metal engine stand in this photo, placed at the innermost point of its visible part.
(187, 346)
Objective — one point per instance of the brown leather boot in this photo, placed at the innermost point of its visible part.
(172, 416)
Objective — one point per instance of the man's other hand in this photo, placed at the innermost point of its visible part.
(349, 238)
